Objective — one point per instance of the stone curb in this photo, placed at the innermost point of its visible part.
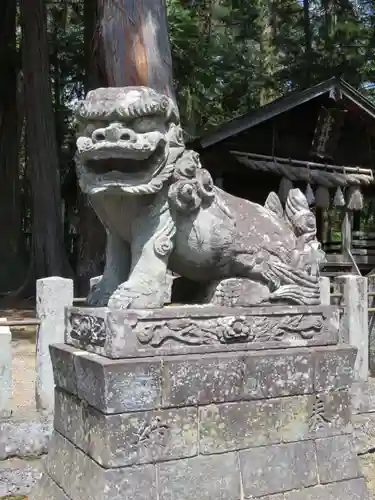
(24, 438)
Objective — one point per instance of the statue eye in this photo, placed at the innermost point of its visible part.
(144, 124)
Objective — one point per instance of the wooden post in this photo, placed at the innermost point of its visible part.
(132, 45)
(346, 232)
(319, 216)
(354, 325)
(53, 295)
(371, 325)
(325, 291)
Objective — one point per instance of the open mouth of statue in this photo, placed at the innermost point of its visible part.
(126, 161)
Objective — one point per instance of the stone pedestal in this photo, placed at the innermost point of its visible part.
(202, 403)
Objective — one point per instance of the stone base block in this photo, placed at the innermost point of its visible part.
(48, 490)
(134, 385)
(199, 329)
(290, 471)
(272, 425)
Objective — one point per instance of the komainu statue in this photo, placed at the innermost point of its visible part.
(163, 213)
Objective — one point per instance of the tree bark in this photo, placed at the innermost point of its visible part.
(12, 267)
(90, 13)
(49, 258)
(132, 44)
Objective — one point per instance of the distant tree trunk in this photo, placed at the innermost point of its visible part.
(329, 28)
(49, 258)
(12, 266)
(308, 45)
(126, 43)
(55, 74)
(91, 234)
(90, 12)
(269, 63)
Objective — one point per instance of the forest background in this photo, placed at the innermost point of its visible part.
(229, 57)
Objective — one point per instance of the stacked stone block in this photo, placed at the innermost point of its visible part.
(271, 425)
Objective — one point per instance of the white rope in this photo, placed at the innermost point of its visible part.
(306, 164)
(324, 178)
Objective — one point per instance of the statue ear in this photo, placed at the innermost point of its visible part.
(171, 111)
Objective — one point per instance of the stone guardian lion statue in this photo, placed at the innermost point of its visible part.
(162, 212)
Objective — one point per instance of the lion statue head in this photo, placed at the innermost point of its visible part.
(128, 140)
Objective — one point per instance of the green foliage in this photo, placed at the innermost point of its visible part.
(230, 56)
(65, 24)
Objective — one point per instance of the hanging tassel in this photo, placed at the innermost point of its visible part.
(339, 199)
(322, 197)
(285, 186)
(355, 198)
(309, 193)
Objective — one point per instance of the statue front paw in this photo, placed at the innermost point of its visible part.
(127, 296)
(99, 294)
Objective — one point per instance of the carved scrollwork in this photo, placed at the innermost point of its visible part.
(192, 186)
(231, 329)
(87, 329)
(163, 244)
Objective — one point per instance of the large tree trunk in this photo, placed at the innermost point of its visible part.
(132, 44)
(49, 258)
(12, 261)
